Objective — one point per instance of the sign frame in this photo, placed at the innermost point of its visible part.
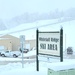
(37, 46)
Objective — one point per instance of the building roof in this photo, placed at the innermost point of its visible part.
(7, 37)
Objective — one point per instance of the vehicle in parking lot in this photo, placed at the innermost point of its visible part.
(1, 52)
(10, 53)
(24, 50)
(1, 49)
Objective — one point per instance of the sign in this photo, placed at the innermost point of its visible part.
(49, 43)
(22, 39)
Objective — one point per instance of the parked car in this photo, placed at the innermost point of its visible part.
(10, 53)
(24, 50)
(1, 51)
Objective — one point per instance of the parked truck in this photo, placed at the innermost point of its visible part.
(10, 53)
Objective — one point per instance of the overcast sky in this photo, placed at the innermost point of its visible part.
(11, 8)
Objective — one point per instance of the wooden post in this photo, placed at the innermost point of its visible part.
(61, 45)
(37, 61)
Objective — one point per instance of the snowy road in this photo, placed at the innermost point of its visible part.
(6, 60)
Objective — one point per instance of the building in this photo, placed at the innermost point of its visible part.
(10, 42)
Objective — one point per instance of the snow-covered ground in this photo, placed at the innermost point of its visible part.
(30, 68)
(16, 69)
